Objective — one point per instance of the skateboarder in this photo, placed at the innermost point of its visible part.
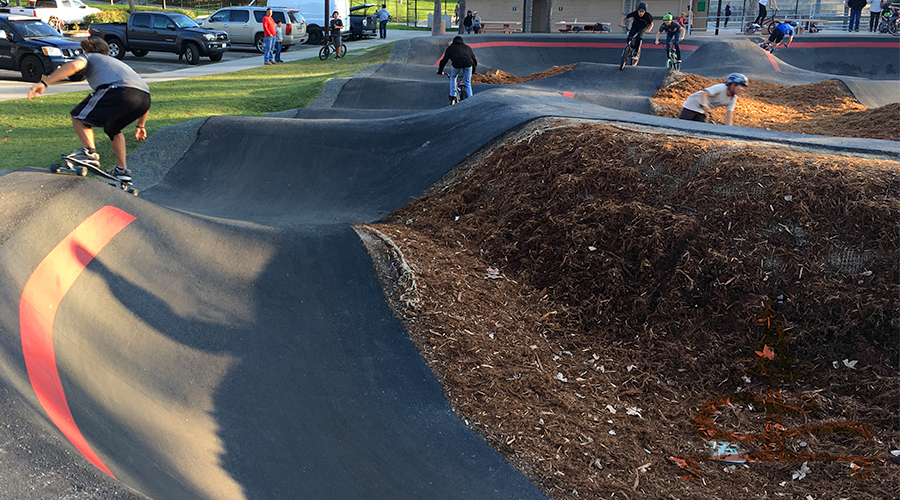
(120, 97)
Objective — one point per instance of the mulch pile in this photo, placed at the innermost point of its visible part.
(821, 108)
(501, 77)
(584, 289)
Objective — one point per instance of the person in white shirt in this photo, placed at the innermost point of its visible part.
(698, 104)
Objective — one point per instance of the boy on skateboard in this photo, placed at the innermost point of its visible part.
(120, 97)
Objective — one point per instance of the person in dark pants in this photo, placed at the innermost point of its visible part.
(642, 21)
(383, 16)
(727, 13)
(120, 97)
(856, 7)
(698, 104)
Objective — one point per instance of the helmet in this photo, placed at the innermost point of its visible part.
(667, 17)
(793, 23)
(737, 78)
(642, 6)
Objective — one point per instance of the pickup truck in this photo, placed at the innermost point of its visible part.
(68, 12)
(162, 32)
(32, 47)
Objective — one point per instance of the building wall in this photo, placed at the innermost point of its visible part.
(586, 11)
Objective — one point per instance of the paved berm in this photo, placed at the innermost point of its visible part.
(551, 290)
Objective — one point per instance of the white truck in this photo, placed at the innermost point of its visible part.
(67, 12)
(314, 12)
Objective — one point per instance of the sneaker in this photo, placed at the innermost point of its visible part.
(337, 57)
(123, 174)
(84, 154)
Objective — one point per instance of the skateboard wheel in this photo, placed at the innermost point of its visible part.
(55, 168)
(133, 191)
(82, 171)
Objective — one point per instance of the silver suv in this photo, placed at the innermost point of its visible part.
(244, 25)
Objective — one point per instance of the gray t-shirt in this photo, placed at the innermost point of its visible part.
(102, 69)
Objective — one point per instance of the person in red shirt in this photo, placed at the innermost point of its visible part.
(268, 38)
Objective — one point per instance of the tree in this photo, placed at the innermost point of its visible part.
(462, 14)
(436, 19)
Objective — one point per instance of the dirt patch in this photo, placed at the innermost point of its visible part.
(500, 77)
(821, 108)
(593, 300)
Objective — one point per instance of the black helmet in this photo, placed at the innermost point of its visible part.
(642, 6)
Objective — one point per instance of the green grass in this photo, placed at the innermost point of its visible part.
(36, 132)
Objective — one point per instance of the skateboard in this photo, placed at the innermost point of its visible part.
(78, 167)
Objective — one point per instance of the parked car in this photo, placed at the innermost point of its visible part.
(162, 32)
(34, 48)
(314, 13)
(68, 11)
(363, 24)
(244, 25)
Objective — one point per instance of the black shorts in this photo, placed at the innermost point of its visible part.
(112, 108)
(777, 36)
(687, 114)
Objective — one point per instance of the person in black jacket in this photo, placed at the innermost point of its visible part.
(467, 22)
(856, 7)
(462, 62)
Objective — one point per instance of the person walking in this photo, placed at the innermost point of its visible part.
(120, 97)
(698, 104)
(462, 63)
(383, 16)
(268, 38)
(874, 15)
(336, 25)
(279, 41)
(856, 7)
(727, 13)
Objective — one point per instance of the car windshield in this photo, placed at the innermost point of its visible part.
(183, 21)
(34, 28)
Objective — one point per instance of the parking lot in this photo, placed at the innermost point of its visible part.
(163, 66)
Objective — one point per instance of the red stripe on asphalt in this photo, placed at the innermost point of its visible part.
(772, 60)
(41, 297)
(569, 95)
(567, 45)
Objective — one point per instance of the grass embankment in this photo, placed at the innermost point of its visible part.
(36, 132)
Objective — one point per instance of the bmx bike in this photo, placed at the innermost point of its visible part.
(329, 49)
(631, 54)
(672, 60)
(460, 92)
(768, 24)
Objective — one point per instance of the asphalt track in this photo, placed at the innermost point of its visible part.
(223, 336)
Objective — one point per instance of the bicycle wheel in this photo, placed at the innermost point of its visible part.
(324, 52)
(750, 28)
(343, 50)
(626, 55)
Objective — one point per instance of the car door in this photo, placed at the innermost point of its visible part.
(140, 32)
(163, 34)
(7, 58)
(241, 29)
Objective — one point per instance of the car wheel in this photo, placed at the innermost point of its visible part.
(260, 43)
(115, 48)
(315, 37)
(216, 57)
(32, 69)
(284, 48)
(140, 53)
(192, 54)
(76, 77)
